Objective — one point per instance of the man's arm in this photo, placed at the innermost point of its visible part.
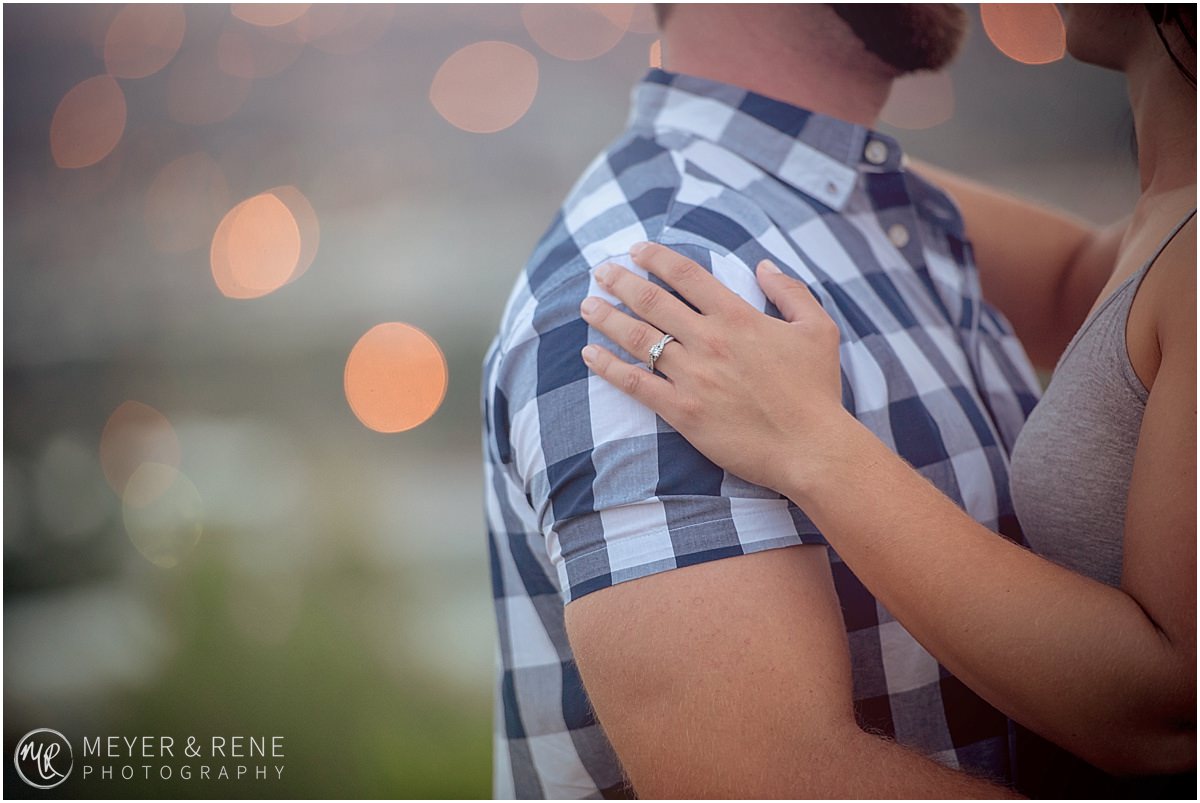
(1043, 269)
(731, 679)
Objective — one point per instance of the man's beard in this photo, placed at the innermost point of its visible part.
(907, 36)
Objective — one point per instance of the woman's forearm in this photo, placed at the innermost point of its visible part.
(1072, 658)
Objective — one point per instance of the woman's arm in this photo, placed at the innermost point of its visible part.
(1107, 673)
(1042, 268)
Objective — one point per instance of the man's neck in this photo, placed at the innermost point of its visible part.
(813, 65)
(1164, 117)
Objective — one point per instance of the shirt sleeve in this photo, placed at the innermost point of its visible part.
(617, 493)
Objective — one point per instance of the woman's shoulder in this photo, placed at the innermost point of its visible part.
(1172, 285)
(1162, 318)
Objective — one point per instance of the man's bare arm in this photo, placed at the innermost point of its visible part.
(1042, 268)
(731, 679)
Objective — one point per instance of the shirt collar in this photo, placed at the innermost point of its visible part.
(817, 154)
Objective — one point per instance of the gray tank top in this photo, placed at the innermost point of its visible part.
(1073, 460)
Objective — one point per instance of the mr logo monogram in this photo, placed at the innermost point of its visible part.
(43, 758)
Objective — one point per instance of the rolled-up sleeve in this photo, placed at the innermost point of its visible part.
(619, 494)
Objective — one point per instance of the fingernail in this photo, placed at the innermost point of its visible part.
(590, 353)
(604, 273)
(590, 305)
(637, 248)
(769, 267)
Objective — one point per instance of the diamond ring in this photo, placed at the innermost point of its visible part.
(656, 351)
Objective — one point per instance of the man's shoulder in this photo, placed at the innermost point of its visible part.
(644, 187)
(624, 196)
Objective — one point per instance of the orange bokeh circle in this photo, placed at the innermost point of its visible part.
(305, 218)
(485, 87)
(263, 243)
(143, 38)
(88, 123)
(1031, 33)
(395, 377)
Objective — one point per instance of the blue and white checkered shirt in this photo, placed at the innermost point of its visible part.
(586, 488)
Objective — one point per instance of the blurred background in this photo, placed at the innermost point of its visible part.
(253, 257)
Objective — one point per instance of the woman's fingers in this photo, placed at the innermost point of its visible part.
(653, 391)
(633, 335)
(703, 290)
(648, 300)
(792, 297)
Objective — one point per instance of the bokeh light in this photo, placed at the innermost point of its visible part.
(143, 38)
(162, 512)
(256, 247)
(577, 32)
(199, 92)
(251, 52)
(1031, 33)
(268, 15)
(184, 203)
(656, 54)
(88, 123)
(395, 377)
(135, 434)
(305, 218)
(264, 244)
(485, 87)
(920, 100)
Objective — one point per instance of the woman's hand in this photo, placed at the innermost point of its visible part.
(759, 396)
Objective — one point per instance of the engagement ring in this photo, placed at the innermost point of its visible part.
(656, 351)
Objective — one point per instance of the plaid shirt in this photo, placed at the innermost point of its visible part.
(586, 488)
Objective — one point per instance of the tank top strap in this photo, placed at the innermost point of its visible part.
(1162, 246)
(1122, 297)
(1125, 306)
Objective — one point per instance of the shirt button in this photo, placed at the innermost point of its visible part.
(898, 235)
(876, 152)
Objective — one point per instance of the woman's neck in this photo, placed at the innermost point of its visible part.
(1164, 117)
